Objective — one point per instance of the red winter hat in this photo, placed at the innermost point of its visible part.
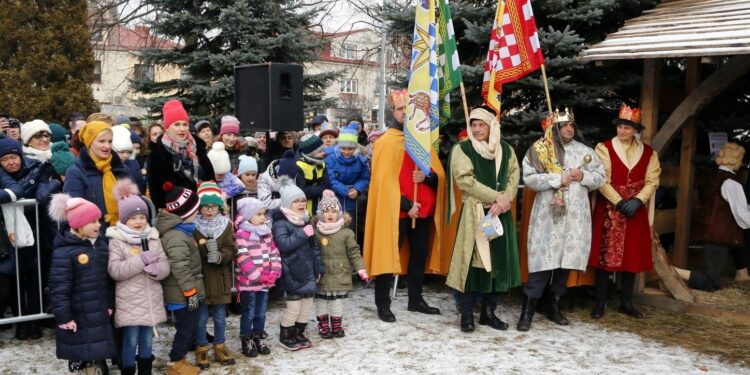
(173, 111)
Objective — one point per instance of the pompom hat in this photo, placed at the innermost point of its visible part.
(210, 193)
(121, 139)
(76, 211)
(289, 192)
(328, 202)
(219, 158)
(180, 201)
(229, 124)
(129, 203)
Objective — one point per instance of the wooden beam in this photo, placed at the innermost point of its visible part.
(674, 284)
(650, 92)
(732, 70)
(687, 173)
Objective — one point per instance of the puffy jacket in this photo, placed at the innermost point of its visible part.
(139, 300)
(268, 187)
(345, 173)
(82, 291)
(161, 168)
(83, 180)
(217, 278)
(312, 179)
(253, 259)
(301, 260)
(340, 254)
(184, 260)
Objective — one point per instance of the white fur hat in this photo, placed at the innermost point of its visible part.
(219, 158)
(30, 128)
(121, 139)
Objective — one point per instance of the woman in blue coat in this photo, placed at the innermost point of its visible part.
(96, 171)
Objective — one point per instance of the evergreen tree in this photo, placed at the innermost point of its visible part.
(215, 36)
(46, 59)
(565, 27)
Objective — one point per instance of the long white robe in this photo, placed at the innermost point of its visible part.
(567, 242)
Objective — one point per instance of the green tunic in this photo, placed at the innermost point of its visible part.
(505, 272)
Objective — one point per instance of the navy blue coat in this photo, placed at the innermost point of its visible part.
(83, 180)
(135, 175)
(82, 291)
(301, 260)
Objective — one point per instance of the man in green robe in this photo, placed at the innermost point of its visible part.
(485, 170)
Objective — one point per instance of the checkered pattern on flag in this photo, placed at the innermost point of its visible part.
(449, 73)
(514, 49)
(422, 119)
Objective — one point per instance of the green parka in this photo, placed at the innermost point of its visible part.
(340, 253)
(184, 260)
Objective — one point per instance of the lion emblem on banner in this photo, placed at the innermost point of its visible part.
(420, 102)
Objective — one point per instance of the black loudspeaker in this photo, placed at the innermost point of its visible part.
(269, 97)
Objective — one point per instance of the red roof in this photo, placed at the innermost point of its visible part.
(122, 38)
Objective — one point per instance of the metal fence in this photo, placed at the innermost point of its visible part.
(23, 203)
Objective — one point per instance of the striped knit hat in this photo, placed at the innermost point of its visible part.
(180, 201)
(348, 137)
(210, 193)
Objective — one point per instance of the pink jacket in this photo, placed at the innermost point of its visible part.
(258, 263)
(139, 300)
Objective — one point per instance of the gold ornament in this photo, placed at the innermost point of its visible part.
(135, 250)
(83, 258)
(324, 241)
(202, 241)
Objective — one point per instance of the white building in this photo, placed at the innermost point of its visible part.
(356, 54)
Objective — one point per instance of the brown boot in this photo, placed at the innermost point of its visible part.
(182, 367)
(201, 357)
(221, 355)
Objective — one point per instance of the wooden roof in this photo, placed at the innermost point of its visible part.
(680, 28)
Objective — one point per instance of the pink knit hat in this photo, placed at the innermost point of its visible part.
(172, 112)
(76, 211)
(229, 124)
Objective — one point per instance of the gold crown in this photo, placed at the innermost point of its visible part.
(629, 114)
(399, 97)
(566, 116)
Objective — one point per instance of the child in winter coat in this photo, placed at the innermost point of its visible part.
(301, 261)
(248, 175)
(258, 267)
(215, 236)
(82, 296)
(228, 182)
(183, 288)
(137, 263)
(340, 252)
(348, 172)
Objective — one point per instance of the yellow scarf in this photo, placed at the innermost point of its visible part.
(104, 166)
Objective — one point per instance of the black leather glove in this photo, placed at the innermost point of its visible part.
(193, 302)
(620, 204)
(630, 207)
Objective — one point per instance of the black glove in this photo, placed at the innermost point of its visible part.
(630, 207)
(620, 204)
(193, 302)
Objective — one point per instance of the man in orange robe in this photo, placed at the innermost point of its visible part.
(391, 206)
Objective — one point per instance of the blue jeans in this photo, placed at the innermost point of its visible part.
(133, 336)
(253, 312)
(219, 313)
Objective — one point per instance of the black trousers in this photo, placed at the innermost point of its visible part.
(716, 259)
(418, 242)
(186, 325)
(537, 281)
(466, 301)
(627, 279)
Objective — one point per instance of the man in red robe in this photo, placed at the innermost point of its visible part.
(621, 240)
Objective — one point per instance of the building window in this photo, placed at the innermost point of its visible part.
(349, 51)
(143, 72)
(349, 86)
(96, 76)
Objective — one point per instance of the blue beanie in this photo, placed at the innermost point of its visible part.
(287, 165)
(318, 119)
(9, 146)
(134, 138)
(247, 164)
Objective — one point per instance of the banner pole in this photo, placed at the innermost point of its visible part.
(546, 89)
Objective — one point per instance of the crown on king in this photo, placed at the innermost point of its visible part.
(566, 116)
(630, 114)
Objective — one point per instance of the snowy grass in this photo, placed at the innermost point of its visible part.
(418, 343)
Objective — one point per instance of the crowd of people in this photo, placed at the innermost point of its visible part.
(174, 218)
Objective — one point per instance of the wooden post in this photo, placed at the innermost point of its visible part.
(687, 173)
(546, 90)
(650, 92)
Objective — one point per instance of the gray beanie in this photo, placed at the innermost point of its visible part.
(289, 192)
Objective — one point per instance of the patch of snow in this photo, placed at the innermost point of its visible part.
(416, 343)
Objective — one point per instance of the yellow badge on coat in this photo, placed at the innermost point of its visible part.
(324, 241)
(83, 259)
(135, 250)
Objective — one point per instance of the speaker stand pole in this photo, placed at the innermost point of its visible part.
(383, 55)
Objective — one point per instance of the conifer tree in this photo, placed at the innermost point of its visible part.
(215, 36)
(46, 60)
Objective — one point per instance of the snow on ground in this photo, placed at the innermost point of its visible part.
(418, 343)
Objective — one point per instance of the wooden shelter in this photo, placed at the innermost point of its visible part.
(697, 30)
